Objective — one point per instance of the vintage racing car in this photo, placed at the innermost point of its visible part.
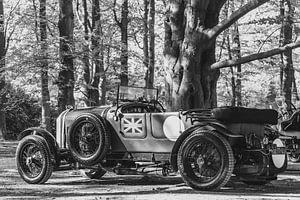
(137, 136)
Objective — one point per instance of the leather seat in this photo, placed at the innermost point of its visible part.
(245, 115)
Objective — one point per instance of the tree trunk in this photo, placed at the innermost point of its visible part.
(97, 51)
(44, 67)
(295, 90)
(281, 9)
(229, 51)
(189, 53)
(287, 30)
(236, 54)
(66, 73)
(2, 73)
(86, 55)
(124, 43)
(146, 41)
(150, 79)
(123, 25)
(232, 79)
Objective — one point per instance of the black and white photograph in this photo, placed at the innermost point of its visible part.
(150, 99)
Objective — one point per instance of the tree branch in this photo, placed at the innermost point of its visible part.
(216, 30)
(252, 57)
(115, 15)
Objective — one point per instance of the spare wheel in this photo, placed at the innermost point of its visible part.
(88, 139)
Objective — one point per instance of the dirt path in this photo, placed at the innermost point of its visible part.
(71, 185)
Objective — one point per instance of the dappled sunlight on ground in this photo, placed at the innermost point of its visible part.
(72, 185)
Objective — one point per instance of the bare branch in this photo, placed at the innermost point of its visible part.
(216, 30)
(115, 15)
(35, 21)
(8, 38)
(77, 14)
(252, 57)
(13, 8)
(265, 40)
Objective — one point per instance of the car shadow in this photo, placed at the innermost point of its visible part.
(175, 185)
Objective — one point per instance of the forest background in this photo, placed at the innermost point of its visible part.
(55, 53)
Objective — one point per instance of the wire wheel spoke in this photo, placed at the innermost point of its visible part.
(86, 139)
(31, 160)
(204, 160)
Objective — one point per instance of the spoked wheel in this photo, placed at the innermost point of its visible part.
(294, 157)
(205, 160)
(88, 140)
(95, 173)
(34, 159)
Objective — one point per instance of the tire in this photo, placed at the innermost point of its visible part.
(88, 139)
(202, 154)
(95, 173)
(34, 159)
(294, 158)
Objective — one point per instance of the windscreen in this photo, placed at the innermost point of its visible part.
(136, 94)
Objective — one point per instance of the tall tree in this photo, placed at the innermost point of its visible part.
(189, 54)
(236, 54)
(286, 57)
(44, 66)
(232, 73)
(97, 51)
(86, 54)
(146, 41)
(189, 51)
(2, 75)
(150, 70)
(123, 24)
(93, 53)
(66, 78)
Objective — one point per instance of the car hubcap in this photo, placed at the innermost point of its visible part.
(31, 160)
(204, 161)
(87, 139)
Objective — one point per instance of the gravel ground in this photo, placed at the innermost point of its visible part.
(72, 185)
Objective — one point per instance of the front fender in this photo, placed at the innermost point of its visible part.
(212, 126)
(50, 139)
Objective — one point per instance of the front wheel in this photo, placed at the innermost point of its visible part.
(205, 160)
(34, 159)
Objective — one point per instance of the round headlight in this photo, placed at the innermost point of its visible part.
(278, 158)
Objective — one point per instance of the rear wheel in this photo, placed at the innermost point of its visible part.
(205, 160)
(34, 159)
(88, 139)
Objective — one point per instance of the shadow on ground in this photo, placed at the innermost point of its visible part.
(72, 185)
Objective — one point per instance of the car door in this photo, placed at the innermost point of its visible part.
(133, 125)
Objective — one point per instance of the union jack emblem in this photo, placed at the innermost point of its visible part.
(133, 126)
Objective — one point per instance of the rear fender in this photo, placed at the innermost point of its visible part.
(233, 139)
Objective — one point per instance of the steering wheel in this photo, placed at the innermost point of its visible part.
(159, 107)
(285, 113)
